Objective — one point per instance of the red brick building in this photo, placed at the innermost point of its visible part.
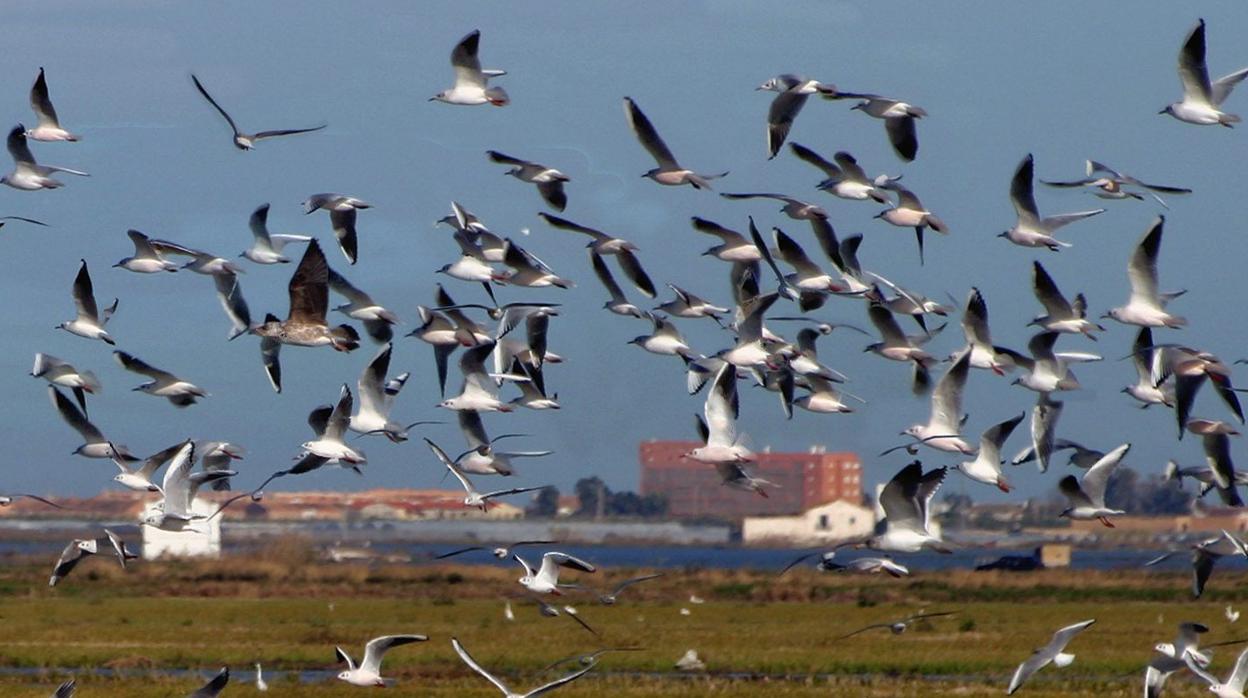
(804, 480)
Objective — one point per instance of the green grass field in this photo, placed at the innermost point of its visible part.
(289, 612)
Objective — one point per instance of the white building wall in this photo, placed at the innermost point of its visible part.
(829, 522)
(200, 539)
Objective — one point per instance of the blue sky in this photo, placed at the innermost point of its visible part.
(1064, 82)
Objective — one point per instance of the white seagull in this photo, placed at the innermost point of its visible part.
(734, 247)
(1233, 687)
(147, 258)
(478, 391)
(1147, 305)
(471, 81)
(1051, 653)
(722, 444)
(378, 320)
(1108, 183)
(474, 498)
(986, 467)
(48, 127)
(1087, 497)
(1202, 99)
(944, 423)
(1172, 657)
(330, 443)
(664, 340)
(1031, 230)
(545, 580)
(899, 118)
(604, 244)
(64, 375)
(845, 178)
(906, 503)
(1061, 315)
(984, 354)
(482, 458)
(27, 174)
(342, 214)
(247, 141)
(377, 398)
(793, 91)
(909, 212)
(266, 248)
(507, 692)
(368, 673)
(140, 479)
(90, 321)
(94, 444)
(79, 549)
(179, 487)
(669, 171)
(548, 180)
(163, 384)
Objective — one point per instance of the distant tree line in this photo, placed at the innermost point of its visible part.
(1127, 490)
(596, 499)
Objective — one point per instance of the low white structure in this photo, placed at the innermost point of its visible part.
(200, 539)
(833, 521)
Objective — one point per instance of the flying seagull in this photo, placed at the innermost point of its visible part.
(1108, 183)
(669, 171)
(247, 141)
(603, 244)
(545, 579)
(1202, 99)
(1031, 230)
(266, 248)
(63, 374)
(1233, 687)
(898, 627)
(793, 91)
(548, 180)
(986, 467)
(27, 174)
(94, 445)
(77, 550)
(844, 178)
(90, 321)
(163, 383)
(1087, 496)
(1147, 304)
(899, 120)
(305, 325)
(475, 498)
(906, 502)
(1051, 653)
(507, 692)
(343, 211)
(48, 127)
(368, 673)
(909, 212)
(471, 81)
(500, 552)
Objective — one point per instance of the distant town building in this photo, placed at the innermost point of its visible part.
(839, 520)
(803, 480)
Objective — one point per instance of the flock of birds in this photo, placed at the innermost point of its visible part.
(506, 344)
